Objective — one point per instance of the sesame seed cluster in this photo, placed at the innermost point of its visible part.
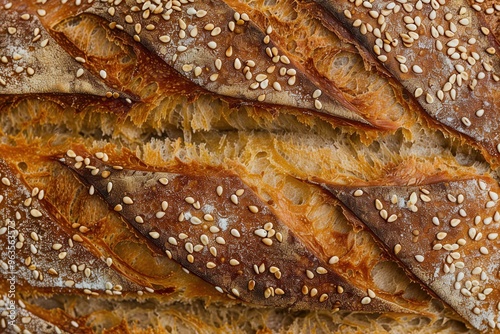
(441, 52)
(49, 256)
(446, 233)
(33, 62)
(194, 218)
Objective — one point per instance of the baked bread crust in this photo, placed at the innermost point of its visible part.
(445, 233)
(103, 91)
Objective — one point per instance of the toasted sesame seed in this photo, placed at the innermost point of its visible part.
(154, 235)
(195, 220)
(358, 193)
(366, 300)
(235, 292)
(417, 69)
(392, 218)
(267, 241)
(128, 200)
(419, 258)
(321, 270)
(279, 236)
(234, 199)
(35, 213)
(441, 235)
(318, 105)
(235, 233)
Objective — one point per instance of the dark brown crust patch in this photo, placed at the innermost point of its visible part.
(441, 54)
(216, 227)
(445, 233)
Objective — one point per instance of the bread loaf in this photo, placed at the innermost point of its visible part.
(249, 166)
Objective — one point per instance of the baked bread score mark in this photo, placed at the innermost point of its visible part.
(222, 51)
(443, 55)
(216, 227)
(49, 256)
(33, 63)
(445, 233)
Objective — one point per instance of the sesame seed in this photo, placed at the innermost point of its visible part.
(318, 105)
(235, 233)
(172, 241)
(201, 13)
(35, 213)
(417, 69)
(366, 300)
(392, 218)
(253, 209)
(195, 220)
(128, 200)
(234, 199)
(235, 292)
(321, 270)
(419, 258)
(267, 241)
(358, 193)
(441, 235)
(160, 214)
(279, 237)
(333, 260)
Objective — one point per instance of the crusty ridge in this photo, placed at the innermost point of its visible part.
(409, 38)
(446, 233)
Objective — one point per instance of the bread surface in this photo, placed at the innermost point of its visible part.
(206, 166)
